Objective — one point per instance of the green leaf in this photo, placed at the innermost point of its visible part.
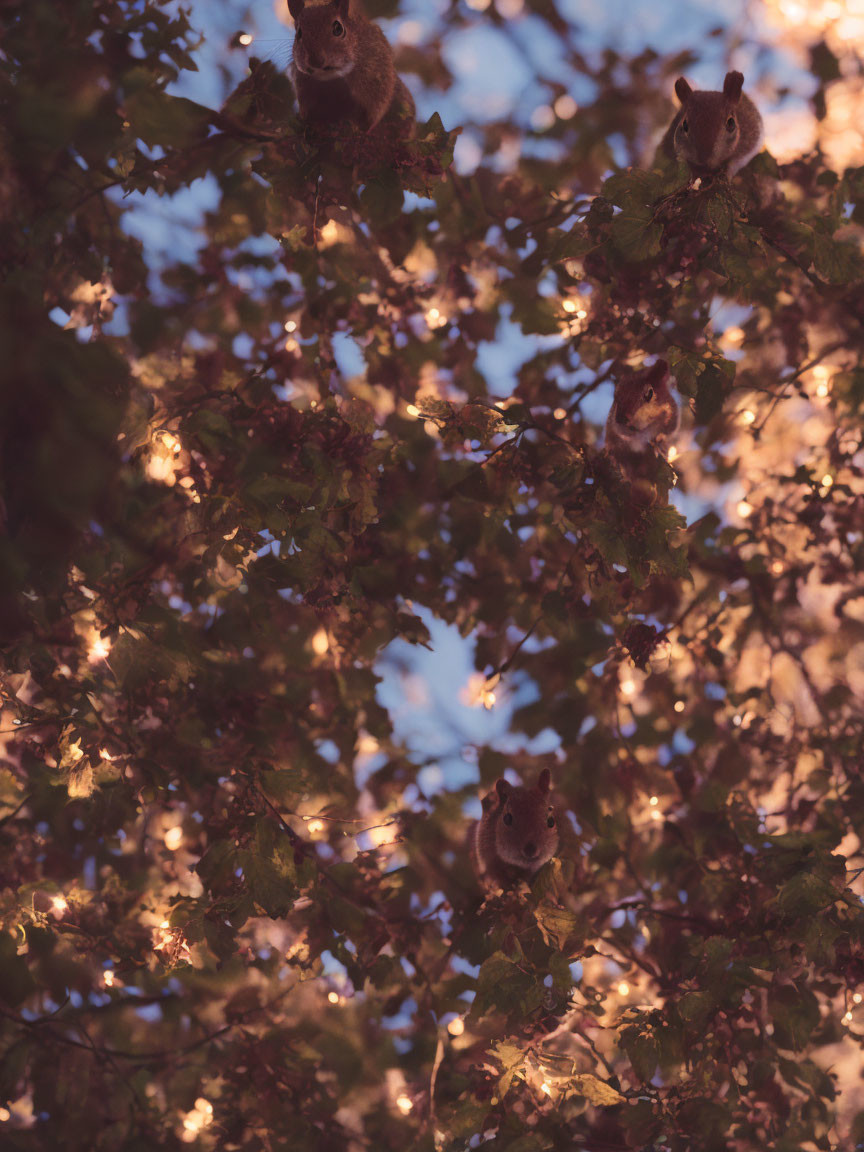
(837, 261)
(559, 926)
(794, 1011)
(609, 542)
(641, 1049)
(512, 1059)
(696, 1007)
(636, 235)
(502, 986)
(713, 387)
(721, 213)
(805, 894)
(382, 197)
(216, 866)
(596, 1091)
(168, 121)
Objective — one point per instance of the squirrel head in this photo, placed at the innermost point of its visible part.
(326, 37)
(711, 124)
(644, 407)
(526, 827)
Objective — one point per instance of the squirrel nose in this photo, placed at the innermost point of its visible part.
(530, 850)
(315, 60)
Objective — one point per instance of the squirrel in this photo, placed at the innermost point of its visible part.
(516, 834)
(642, 420)
(342, 69)
(715, 132)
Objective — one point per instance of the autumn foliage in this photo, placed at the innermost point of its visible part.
(236, 910)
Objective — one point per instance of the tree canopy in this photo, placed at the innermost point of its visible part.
(237, 910)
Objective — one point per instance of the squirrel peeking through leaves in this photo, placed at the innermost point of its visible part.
(343, 71)
(517, 833)
(714, 132)
(641, 423)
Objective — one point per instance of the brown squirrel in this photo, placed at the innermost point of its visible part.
(715, 132)
(642, 420)
(342, 69)
(516, 834)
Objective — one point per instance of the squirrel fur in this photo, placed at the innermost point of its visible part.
(641, 423)
(516, 834)
(714, 132)
(342, 69)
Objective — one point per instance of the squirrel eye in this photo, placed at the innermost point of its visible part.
(649, 395)
(551, 821)
(508, 817)
(685, 127)
(730, 124)
(338, 30)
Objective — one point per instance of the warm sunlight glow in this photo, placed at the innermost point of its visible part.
(320, 642)
(200, 1116)
(99, 649)
(173, 838)
(367, 744)
(435, 318)
(456, 1027)
(59, 905)
(479, 691)
(404, 1104)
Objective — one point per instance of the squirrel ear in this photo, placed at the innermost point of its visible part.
(544, 780)
(683, 90)
(502, 788)
(658, 373)
(295, 7)
(732, 86)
